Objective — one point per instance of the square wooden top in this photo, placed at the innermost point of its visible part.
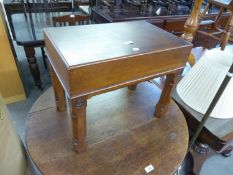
(86, 44)
(96, 58)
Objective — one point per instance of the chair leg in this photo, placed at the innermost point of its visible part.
(200, 153)
(44, 57)
(228, 32)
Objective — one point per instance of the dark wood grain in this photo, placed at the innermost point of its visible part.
(123, 137)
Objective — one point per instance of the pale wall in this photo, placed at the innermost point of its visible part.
(10, 83)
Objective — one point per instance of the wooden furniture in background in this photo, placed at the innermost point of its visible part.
(172, 23)
(218, 133)
(192, 22)
(29, 34)
(15, 7)
(231, 37)
(123, 135)
(71, 20)
(11, 86)
(122, 54)
(211, 33)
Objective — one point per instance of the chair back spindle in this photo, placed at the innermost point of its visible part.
(70, 20)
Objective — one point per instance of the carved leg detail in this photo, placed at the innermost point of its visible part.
(201, 148)
(30, 53)
(191, 24)
(200, 153)
(165, 96)
(58, 92)
(79, 124)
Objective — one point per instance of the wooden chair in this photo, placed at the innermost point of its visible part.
(212, 32)
(217, 133)
(70, 20)
(44, 8)
(209, 33)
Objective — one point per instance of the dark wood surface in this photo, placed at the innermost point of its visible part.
(171, 23)
(110, 60)
(103, 14)
(122, 134)
(70, 20)
(112, 63)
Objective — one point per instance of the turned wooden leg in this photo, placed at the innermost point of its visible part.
(30, 53)
(192, 23)
(79, 124)
(132, 87)
(58, 91)
(200, 153)
(165, 97)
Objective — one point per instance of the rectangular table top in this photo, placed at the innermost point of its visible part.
(80, 45)
(91, 58)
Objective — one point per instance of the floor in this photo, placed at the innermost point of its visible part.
(216, 165)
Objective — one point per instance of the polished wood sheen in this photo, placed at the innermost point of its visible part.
(192, 23)
(123, 136)
(94, 59)
(101, 55)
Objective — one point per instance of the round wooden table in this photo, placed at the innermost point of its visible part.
(123, 135)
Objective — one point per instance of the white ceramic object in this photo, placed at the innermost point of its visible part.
(200, 84)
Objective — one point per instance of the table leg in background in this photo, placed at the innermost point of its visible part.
(33, 66)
